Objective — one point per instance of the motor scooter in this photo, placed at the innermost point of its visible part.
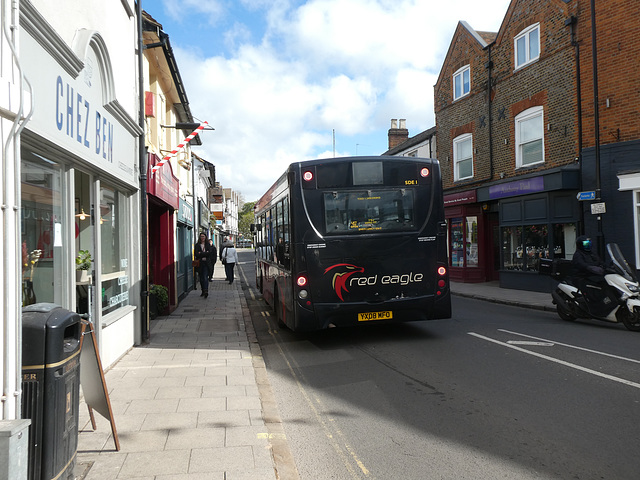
(615, 298)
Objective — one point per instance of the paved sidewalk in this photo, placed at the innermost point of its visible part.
(195, 402)
(188, 404)
(491, 291)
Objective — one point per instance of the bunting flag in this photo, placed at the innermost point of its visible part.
(178, 148)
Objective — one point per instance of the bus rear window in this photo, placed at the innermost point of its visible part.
(369, 211)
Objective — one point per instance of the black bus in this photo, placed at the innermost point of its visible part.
(343, 241)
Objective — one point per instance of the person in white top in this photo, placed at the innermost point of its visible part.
(230, 258)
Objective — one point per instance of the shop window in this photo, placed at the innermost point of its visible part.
(41, 229)
(564, 240)
(464, 241)
(114, 235)
(524, 246)
(536, 246)
(471, 246)
(457, 242)
(512, 253)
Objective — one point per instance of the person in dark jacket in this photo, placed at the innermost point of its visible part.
(589, 269)
(586, 262)
(202, 252)
(212, 259)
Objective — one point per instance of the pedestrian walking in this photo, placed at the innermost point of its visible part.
(229, 258)
(213, 257)
(201, 252)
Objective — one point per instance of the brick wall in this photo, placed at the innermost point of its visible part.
(549, 82)
(618, 56)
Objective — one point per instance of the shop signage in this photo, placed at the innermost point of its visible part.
(76, 114)
(205, 215)
(163, 184)
(185, 213)
(460, 198)
(519, 187)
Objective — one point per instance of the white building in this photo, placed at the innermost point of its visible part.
(75, 180)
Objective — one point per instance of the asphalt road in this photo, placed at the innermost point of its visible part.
(494, 392)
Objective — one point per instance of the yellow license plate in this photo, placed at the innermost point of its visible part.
(366, 317)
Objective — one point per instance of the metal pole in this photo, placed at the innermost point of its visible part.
(596, 118)
(144, 215)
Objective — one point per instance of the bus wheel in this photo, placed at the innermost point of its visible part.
(277, 307)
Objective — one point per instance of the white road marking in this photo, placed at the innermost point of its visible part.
(561, 362)
(610, 355)
(532, 344)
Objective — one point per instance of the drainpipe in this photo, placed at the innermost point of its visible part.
(596, 118)
(489, 108)
(142, 152)
(11, 316)
(571, 22)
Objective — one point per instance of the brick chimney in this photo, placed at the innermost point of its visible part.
(398, 135)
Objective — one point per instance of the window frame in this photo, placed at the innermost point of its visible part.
(525, 115)
(527, 48)
(456, 141)
(460, 73)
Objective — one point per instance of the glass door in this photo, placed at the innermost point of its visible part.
(84, 241)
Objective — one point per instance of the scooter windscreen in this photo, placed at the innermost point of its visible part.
(620, 263)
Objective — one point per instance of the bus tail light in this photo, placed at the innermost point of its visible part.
(442, 281)
(308, 176)
(303, 293)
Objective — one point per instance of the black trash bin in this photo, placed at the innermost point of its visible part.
(51, 388)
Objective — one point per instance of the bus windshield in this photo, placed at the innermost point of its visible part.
(375, 210)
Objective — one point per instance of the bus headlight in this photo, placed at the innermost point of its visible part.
(303, 294)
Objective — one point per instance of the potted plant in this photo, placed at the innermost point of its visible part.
(83, 264)
(158, 300)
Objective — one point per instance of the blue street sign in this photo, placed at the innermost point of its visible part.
(586, 195)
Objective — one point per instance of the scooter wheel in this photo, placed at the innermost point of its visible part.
(564, 315)
(632, 322)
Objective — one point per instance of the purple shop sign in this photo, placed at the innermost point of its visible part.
(530, 185)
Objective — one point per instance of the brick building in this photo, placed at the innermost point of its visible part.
(515, 135)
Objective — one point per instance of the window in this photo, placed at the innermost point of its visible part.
(42, 228)
(524, 245)
(114, 235)
(529, 137)
(464, 241)
(527, 46)
(369, 211)
(463, 156)
(461, 82)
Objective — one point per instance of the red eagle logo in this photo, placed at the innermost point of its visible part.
(340, 277)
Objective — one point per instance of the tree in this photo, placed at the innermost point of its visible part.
(245, 219)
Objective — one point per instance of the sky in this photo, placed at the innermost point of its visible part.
(279, 80)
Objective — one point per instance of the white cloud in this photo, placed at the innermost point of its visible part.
(280, 89)
(184, 11)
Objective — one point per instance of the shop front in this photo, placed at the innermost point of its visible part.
(185, 241)
(163, 202)
(470, 252)
(501, 231)
(538, 219)
(79, 188)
